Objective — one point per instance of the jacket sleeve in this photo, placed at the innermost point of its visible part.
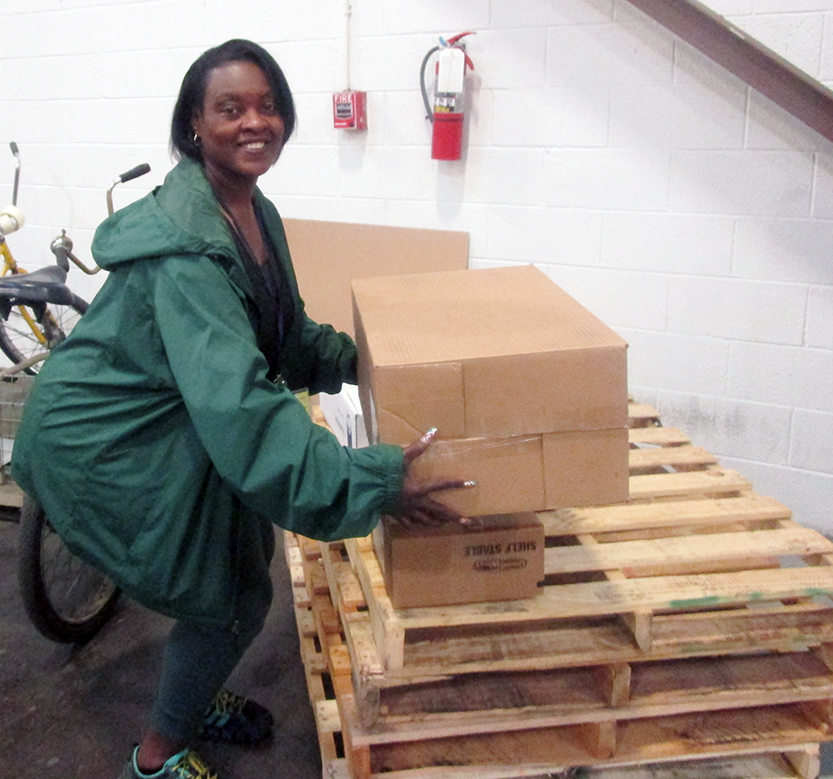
(258, 436)
(318, 357)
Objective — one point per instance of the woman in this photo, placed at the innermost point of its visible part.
(163, 439)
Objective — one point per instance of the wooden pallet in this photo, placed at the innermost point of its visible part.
(693, 621)
(692, 564)
(346, 754)
(316, 659)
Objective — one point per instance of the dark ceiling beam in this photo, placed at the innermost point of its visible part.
(751, 61)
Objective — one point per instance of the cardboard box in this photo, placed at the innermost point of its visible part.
(531, 473)
(491, 559)
(343, 413)
(527, 388)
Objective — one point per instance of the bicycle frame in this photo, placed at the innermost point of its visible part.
(11, 218)
(15, 219)
(10, 266)
(9, 263)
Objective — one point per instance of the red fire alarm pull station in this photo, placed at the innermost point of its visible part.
(350, 110)
(349, 106)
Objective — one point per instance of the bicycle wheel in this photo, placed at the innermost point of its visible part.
(66, 599)
(23, 335)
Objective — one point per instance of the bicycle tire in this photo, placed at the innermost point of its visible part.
(66, 599)
(17, 340)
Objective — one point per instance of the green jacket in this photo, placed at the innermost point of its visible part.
(152, 437)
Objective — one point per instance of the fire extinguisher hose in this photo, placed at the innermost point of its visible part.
(429, 114)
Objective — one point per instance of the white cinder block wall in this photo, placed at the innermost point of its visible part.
(688, 212)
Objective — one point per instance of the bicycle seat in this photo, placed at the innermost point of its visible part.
(45, 285)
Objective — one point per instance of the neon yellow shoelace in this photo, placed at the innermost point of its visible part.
(191, 766)
(229, 701)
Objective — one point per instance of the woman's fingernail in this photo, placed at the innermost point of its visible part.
(429, 435)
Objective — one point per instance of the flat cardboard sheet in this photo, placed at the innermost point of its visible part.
(328, 255)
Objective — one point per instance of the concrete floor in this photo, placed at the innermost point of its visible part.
(75, 712)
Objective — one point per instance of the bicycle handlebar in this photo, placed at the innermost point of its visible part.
(131, 174)
(134, 173)
(62, 249)
(16, 153)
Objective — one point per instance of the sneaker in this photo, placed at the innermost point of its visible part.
(237, 720)
(184, 765)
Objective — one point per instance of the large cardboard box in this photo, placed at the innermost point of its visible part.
(527, 388)
(490, 559)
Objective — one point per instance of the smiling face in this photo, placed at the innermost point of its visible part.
(240, 130)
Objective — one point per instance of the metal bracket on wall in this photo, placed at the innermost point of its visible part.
(748, 59)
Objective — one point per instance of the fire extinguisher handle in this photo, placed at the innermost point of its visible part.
(453, 41)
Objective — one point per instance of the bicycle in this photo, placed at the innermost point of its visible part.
(66, 599)
(38, 310)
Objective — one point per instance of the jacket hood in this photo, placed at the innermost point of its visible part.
(180, 217)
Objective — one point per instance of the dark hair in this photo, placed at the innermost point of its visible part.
(192, 92)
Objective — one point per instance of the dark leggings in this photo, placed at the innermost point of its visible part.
(196, 664)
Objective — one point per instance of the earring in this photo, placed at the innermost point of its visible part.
(197, 140)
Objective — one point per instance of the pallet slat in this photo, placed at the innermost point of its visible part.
(711, 483)
(681, 513)
(657, 436)
(670, 456)
(794, 540)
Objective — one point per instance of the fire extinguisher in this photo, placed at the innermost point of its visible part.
(447, 113)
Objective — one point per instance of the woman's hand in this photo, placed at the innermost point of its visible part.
(416, 507)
